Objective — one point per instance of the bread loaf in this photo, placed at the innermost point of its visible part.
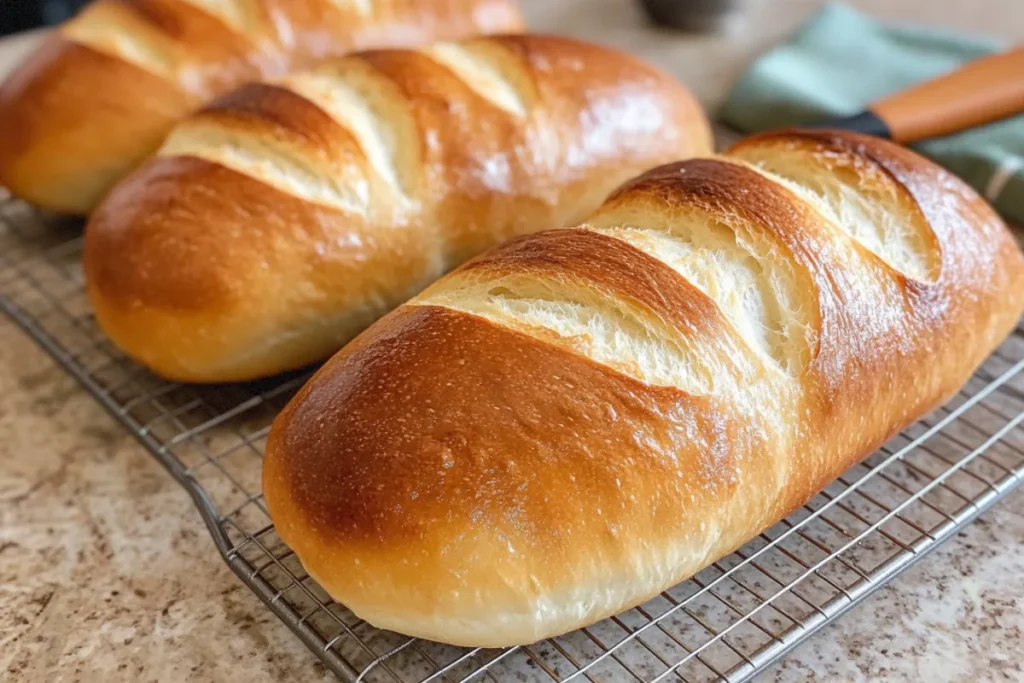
(581, 418)
(105, 89)
(284, 218)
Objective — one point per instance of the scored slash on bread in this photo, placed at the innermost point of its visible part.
(285, 217)
(100, 95)
(581, 418)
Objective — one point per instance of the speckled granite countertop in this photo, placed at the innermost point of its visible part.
(107, 573)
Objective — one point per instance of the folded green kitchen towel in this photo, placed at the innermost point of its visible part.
(841, 61)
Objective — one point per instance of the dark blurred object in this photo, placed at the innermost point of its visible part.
(698, 16)
(21, 15)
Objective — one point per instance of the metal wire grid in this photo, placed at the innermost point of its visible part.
(728, 622)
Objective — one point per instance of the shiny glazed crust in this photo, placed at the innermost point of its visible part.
(581, 418)
(284, 218)
(100, 95)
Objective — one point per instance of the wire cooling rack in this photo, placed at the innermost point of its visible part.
(726, 623)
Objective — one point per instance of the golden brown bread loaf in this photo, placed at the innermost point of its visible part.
(581, 418)
(104, 90)
(284, 218)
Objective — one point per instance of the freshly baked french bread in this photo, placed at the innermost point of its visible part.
(581, 418)
(284, 218)
(104, 90)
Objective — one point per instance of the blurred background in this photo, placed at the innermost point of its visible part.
(19, 15)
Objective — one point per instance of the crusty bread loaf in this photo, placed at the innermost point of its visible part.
(581, 418)
(105, 89)
(286, 217)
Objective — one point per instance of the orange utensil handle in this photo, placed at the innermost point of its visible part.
(983, 91)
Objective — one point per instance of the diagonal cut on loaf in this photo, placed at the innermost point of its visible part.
(581, 418)
(278, 222)
(106, 87)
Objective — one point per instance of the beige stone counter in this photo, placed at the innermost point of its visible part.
(107, 573)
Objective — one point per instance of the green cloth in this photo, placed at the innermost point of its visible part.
(841, 61)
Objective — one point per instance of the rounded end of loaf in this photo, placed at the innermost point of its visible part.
(453, 479)
(75, 121)
(158, 285)
(195, 287)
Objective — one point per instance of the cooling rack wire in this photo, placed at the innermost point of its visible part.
(727, 623)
